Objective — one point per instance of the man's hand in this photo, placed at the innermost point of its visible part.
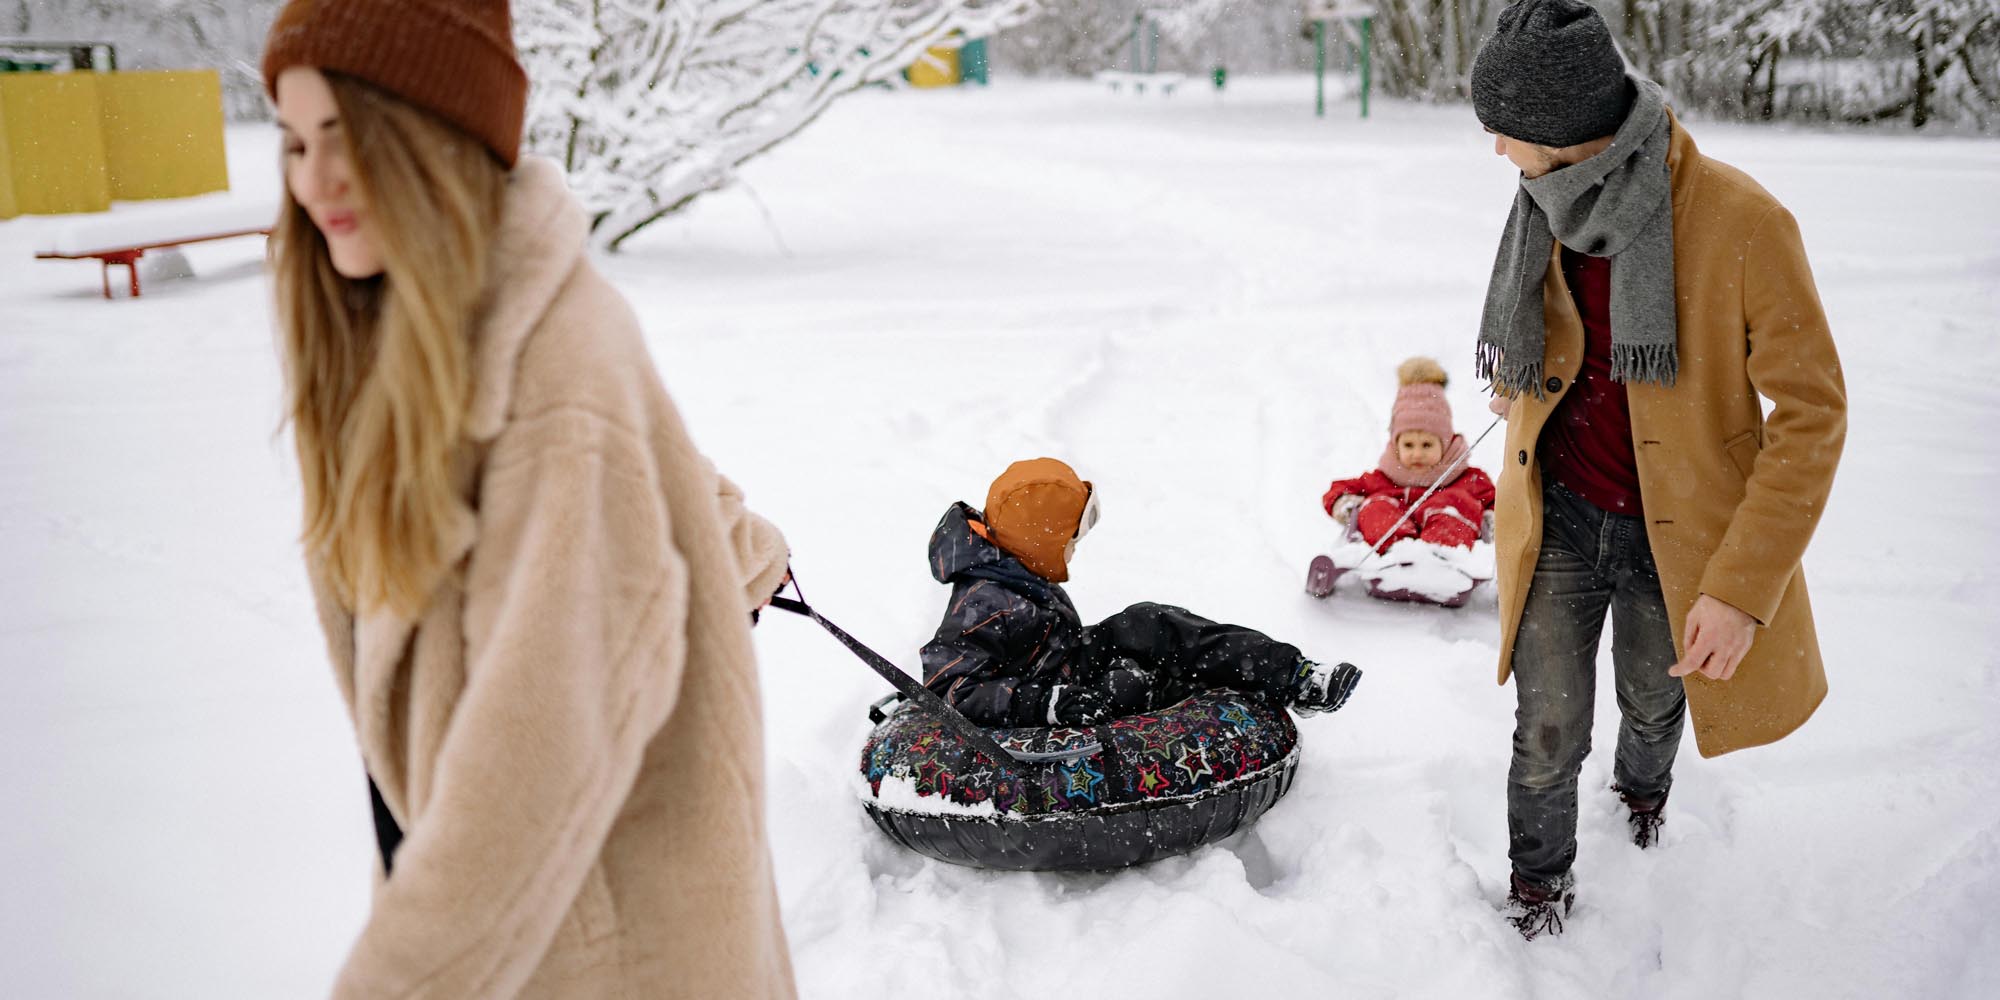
(1718, 636)
(1500, 405)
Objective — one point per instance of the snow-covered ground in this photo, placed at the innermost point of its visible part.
(1200, 304)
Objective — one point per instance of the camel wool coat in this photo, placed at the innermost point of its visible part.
(1731, 496)
(570, 734)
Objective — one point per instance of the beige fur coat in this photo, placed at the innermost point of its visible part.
(570, 734)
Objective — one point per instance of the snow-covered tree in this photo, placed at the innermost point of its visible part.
(1081, 37)
(650, 104)
(1424, 48)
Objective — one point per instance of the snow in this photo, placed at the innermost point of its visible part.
(898, 793)
(1199, 303)
(139, 224)
(1439, 572)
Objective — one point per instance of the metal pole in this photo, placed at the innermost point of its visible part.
(1367, 32)
(1319, 68)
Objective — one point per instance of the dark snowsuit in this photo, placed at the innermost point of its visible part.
(1010, 636)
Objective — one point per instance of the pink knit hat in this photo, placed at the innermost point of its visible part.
(1421, 406)
(1420, 403)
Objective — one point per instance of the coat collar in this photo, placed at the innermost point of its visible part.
(1683, 164)
(540, 242)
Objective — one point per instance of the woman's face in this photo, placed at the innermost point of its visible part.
(1418, 450)
(319, 174)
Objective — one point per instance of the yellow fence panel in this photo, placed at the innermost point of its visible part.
(935, 68)
(163, 133)
(54, 142)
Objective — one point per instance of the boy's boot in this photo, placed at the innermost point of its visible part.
(1320, 688)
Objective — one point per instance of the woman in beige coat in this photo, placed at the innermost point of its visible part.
(535, 591)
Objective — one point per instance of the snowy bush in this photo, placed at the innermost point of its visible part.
(1080, 37)
(1851, 61)
(650, 105)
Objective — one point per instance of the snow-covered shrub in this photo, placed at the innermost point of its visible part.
(650, 104)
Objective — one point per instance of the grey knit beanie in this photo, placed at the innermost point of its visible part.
(1550, 75)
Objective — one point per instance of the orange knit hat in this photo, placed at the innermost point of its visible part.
(453, 58)
(1033, 511)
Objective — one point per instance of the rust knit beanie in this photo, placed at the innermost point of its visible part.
(1033, 510)
(453, 58)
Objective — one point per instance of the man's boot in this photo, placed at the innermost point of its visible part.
(1536, 909)
(1646, 816)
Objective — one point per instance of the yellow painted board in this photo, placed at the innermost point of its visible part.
(163, 133)
(55, 142)
(935, 68)
(9, 206)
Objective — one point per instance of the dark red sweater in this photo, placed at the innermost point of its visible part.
(1587, 445)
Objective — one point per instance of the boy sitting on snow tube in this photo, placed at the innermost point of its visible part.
(1012, 651)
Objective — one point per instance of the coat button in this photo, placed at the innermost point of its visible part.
(1555, 384)
(1524, 457)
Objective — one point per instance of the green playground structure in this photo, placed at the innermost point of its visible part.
(1361, 19)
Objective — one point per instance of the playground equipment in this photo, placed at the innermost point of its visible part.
(123, 237)
(949, 65)
(1144, 73)
(76, 139)
(23, 55)
(1359, 21)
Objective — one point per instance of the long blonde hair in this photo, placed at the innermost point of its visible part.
(379, 371)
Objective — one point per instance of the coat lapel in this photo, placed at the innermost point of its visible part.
(541, 241)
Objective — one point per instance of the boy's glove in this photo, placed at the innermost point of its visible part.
(1344, 507)
(1070, 705)
(1486, 526)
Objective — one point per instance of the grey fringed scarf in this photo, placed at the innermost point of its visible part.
(1615, 204)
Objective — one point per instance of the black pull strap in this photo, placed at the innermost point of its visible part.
(979, 739)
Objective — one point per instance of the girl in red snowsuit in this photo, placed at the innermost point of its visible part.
(1422, 446)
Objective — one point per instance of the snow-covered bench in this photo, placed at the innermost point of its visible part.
(124, 234)
(1119, 79)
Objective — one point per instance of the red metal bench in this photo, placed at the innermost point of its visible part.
(129, 255)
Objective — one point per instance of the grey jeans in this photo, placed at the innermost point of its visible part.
(1591, 562)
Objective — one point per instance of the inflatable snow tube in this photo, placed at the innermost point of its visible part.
(1129, 791)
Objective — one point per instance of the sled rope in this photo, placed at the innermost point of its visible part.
(1444, 477)
(975, 737)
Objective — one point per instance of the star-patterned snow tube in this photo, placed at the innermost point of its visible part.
(1130, 791)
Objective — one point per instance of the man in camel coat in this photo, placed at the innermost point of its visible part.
(1644, 298)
